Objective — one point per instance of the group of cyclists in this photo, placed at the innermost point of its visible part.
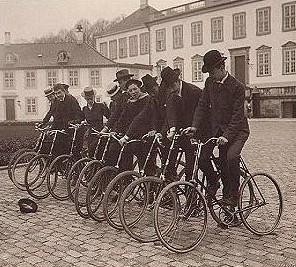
(173, 106)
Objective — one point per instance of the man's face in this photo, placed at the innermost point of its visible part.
(60, 94)
(90, 100)
(216, 74)
(51, 98)
(134, 91)
(122, 83)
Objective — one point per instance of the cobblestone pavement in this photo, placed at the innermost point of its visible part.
(57, 236)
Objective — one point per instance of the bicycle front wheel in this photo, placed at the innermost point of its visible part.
(180, 216)
(113, 194)
(18, 168)
(57, 176)
(263, 214)
(35, 176)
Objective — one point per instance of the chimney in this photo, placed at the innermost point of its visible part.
(7, 38)
(143, 4)
(79, 34)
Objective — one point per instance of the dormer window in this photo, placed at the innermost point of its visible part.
(63, 57)
(10, 58)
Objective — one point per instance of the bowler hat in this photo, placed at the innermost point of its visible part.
(133, 81)
(58, 87)
(122, 74)
(212, 59)
(112, 89)
(66, 86)
(27, 205)
(149, 81)
(48, 91)
(168, 75)
(88, 92)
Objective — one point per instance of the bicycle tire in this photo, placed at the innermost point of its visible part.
(136, 208)
(258, 221)
(73, 176)
(56, 176)
(180, 203)
(39, 181)
(96, 191)
(87, 173)
(113, 194)
(19, 167)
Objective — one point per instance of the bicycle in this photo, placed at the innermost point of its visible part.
(19, 160)
(182, 227)
(138, 199)
(59, 169)
(98, 184)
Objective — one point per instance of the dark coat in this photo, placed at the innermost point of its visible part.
(180, 109)
(128, 123)
(226, 104)
(118, 106)
(51, 112)
(95, 115)
(67, 111)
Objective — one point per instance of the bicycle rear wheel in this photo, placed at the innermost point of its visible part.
(263, 214)
(180, 216)
(113, 194)
(96, 191)
(74, 174)
(35, 176)
(18, 168)
(136, 208)
(57, 176)
(87, 173)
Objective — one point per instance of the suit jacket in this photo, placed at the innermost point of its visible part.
(94, 116)
(51, 112)
(180, 109)
(67, 111)
(226, 104)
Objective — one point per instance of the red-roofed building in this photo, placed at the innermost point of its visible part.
(26, 69)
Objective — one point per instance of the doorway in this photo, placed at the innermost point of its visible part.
(239, 63)
(10, 109)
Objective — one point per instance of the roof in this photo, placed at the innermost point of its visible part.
(135, 20)
(45, 55)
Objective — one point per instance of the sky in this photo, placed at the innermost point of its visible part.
(27, 19)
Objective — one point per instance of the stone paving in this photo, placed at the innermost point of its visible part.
(57, 236)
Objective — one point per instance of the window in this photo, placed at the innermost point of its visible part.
(263, 21)
(31, 105)
(122, 50)
(74, 78)
(217, 29)
(160, 40)
(289, 16)
(133, 45)
(239, 25)
(9, 58)
(52, 77)
(289, 58)
(196, 33)
(263, 61)
(144, 43)
(30, 79)
(179, 64)
(63, 57)
(113, 49)
(95, 77)
(8, 79)
(197, 63)
(178, 36)
(104, 49)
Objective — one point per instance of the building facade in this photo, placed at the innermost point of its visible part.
(257, 36)
(26, 69)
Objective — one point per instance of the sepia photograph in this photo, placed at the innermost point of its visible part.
(147, 133)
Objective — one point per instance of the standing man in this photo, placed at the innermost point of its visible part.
(182, 99)
(225, 97)
(49, 94)
(120, 100)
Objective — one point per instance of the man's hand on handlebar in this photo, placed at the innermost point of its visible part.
(189, 131)
(222, 141)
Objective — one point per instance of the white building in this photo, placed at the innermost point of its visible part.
(26, 69)
(257, 36)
